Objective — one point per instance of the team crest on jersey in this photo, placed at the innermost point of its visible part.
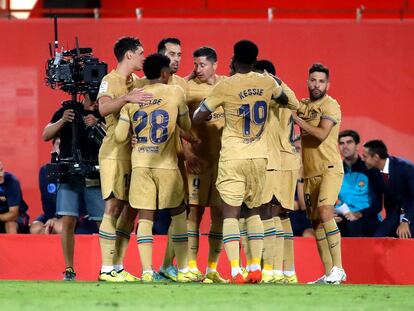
(104, 87)
(361, 184)
(3, 199)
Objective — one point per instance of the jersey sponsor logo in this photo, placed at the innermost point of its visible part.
(104, 87)
(216, 116)
(149, 149)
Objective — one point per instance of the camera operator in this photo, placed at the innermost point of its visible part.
(75, 186)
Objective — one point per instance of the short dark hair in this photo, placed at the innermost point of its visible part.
(245, 52)
(350, 133)
(264, 64)
(206, 51)
(154, 64)
(124, 45)
(163, 42)
(317, 67)
(377, 146)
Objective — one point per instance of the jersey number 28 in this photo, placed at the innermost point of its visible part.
(158, 120)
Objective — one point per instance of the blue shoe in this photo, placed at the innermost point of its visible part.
(170, 272)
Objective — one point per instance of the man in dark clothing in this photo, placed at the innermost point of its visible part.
(394, 182)
(13, 217)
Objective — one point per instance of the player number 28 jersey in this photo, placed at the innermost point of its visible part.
(154, 125)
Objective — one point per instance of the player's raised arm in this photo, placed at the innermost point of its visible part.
(209, 105)
(293, 103)
(279, 94)
(108, 105)
(123, 126)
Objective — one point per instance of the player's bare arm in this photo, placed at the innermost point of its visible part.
(320, 132)
(107, 105)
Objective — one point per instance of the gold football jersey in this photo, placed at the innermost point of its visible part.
(154, 124)
(245, 99)
(115, 85)
(289, 158)
(319, 157)
(271, 134)
(208, 132)
(173, 80)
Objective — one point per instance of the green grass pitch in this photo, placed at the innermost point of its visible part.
(90, 296)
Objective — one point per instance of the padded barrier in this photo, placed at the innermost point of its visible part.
(366, 260)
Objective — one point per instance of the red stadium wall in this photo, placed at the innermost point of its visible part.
(371, 63)
(367, 261)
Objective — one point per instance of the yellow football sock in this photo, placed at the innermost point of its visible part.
(243, 239)
(279, 245)
(123, 232)
(107, 239)
(145, 240)
(255, 233)
(288, 251)
(323, 249)
(215, 242)
(269, 243)
(193, 240)
(179, 238)
(231, 240)
(333, 236)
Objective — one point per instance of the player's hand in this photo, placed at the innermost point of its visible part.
(90, 120)
(134, 140)
(194, 163)
(337, 218)
(295, 117)
(191, 76)
(139, 96)
(403, 231)
(68, 115)
(353, 216)
(49, 226)
(195, 143)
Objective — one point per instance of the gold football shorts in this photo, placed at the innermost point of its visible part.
(153, 188)
(321, 190)
(202, 188)
(115, 178)
(241, 181)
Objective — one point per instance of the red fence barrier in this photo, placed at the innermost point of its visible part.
(372, 73)
(367, 261)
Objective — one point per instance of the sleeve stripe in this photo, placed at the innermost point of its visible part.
(123, 118)
(330, 119)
